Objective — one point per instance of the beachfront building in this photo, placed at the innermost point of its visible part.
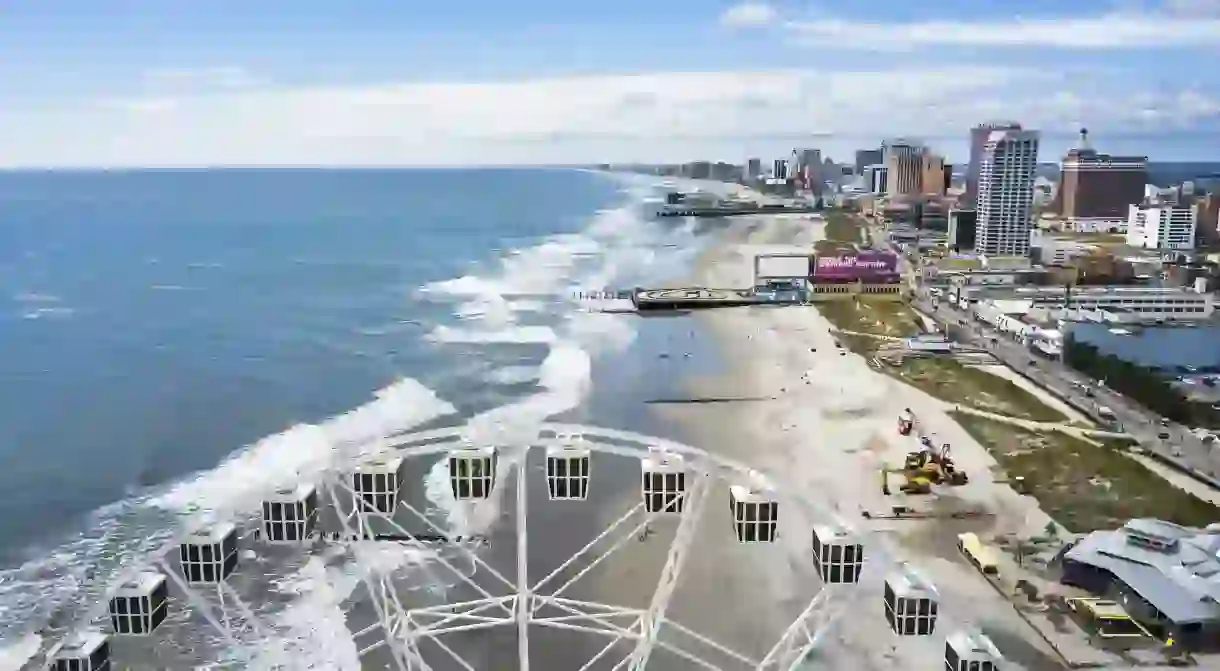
(1166, 575)
(1007, 170)
(1099, 303)
(1161, 225)
(1096, 189)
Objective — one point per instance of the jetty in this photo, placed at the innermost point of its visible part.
(695, 298)
(734, 211)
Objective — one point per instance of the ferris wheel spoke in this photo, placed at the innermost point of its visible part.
(220, 624)
(674, 563)
(452, 654)
(603, 652)
(411, 538)
(619, 523)
(807, 630)
(462, 548)
(402, 655)
(523, 573)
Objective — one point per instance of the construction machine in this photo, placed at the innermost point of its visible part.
(914, 482)
(936, 464)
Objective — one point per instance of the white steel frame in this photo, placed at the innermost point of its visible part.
(516, 601)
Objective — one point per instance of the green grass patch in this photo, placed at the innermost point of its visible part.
(843, 227)
(955, 383)
(1085, 487)
(893, 319)
(834, 248)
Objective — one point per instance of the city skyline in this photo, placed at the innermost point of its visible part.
(312, 83)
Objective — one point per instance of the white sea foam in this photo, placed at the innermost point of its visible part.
(544, 335)
(616, 247)
(304, 452)
(513, 374)
(313, 628)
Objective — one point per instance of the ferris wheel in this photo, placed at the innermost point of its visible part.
(203, 570)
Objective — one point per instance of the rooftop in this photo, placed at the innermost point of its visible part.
(974, 642)
(80, 645)
(1174, 568)
(908, 583)
(214, 534)
(140, 584)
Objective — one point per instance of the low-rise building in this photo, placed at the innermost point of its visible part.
(1164, 574)
(1126, 304)
(961, 227)
(1161, 225)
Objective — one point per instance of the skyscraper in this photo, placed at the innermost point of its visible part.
(1096, 189)
(779, 170)
(935, 174)
(867, 157)
(978, 137)
(753, 168)
(1008, 165)
(904, 163)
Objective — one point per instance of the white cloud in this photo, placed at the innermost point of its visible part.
(1109, 31)
(222, 77)
(141, 105)
(749, 14)
(656, 116)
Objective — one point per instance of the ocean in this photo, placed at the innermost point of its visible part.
(178, 342)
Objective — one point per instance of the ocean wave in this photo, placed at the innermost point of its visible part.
(532, 283)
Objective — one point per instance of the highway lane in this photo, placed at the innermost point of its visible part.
(1169, 440)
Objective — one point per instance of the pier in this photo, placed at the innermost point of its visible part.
(734, 211)
(694, 298)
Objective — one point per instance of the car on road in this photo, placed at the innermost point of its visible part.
(1163, 434)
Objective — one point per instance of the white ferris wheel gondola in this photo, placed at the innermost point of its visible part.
(472, 472)
(755, 512)
(971, 651)
(911, 602)
(209, 555)
(567, 468)
(86, 651)
(838, 554)
(663, 482)
(290, 515)
(139, 605)
(376, 484)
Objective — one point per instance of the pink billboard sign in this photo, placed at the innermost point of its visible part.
(867, 266)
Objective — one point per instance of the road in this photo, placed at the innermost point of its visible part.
(1142, 424)
(1172, 441)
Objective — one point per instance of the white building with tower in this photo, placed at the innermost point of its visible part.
(1161, 225)
(1007, 170)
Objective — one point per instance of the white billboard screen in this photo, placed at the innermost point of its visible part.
(783, 266)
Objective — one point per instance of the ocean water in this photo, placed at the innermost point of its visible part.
(1168, 347)
(178, 343)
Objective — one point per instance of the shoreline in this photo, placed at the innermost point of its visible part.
(830, 428)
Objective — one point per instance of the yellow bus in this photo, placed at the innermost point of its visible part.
(979, 554)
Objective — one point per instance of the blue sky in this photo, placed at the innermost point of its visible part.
(138, 82)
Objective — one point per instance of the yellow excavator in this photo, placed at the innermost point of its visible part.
(922, 469)
(936, 464)
(914, 482)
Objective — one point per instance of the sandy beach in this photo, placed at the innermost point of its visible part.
(828, 427)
